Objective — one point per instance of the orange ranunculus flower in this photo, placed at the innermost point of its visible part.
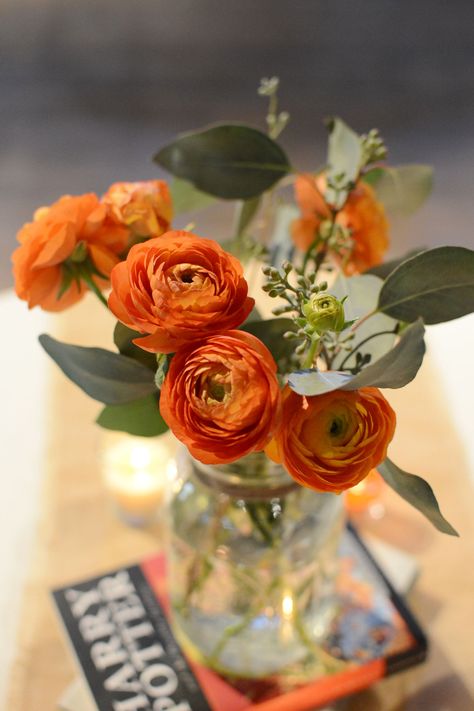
(179, 288)
(221, 398)
(331, 442)
(144, 207)
(365, 217)
(362, 214)
(49, 241)
(309, 194)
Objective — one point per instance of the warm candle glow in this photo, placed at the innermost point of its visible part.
(365, 494)
(137, 473)
(287, 606)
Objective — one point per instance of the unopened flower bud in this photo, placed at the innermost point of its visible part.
(324, 313)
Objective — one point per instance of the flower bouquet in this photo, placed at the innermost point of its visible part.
(280, 409)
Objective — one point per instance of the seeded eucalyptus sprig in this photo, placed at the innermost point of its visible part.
(316, 313)
(373, 148)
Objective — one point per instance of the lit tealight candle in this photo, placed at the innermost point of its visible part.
(137, 473)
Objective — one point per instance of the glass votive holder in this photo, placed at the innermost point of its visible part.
(137, 474)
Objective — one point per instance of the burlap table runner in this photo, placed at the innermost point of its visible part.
(79, 536)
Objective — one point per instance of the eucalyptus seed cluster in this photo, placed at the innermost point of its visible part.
(276, 120)
(338, 188)
(337, 237)
(373, 147)
(278, 284)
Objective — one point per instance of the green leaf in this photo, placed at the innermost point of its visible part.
(362, 293)
(344, 155)
(163, 362)
(108, 377)
(315, 382)
(230, 161)
(399, 366)
(270, 332)
(417, 492)
(383, 270)
(187, 198)
(246, 212)
(254, 315)
(394, 370)
(140, 417)
(280, 243)
(404, 188)
(123, 337)
(372, 176)
(436, 285)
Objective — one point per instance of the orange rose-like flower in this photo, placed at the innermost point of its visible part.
(50, 240)
(331, 442)
(179, 288)
(144, 207)
(221, 398)
(309, 194)
(365, 217)
(362, 214)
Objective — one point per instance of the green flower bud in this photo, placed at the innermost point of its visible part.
(324, 313)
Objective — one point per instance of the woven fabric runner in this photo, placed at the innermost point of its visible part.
(79, 536)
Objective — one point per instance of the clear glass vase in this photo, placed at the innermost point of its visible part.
(252, 568)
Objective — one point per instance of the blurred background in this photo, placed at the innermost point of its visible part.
(89, 90)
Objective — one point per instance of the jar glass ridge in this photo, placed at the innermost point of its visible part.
(253, 561)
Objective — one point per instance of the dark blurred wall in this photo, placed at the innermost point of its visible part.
(90, 88)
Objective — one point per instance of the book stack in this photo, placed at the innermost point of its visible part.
(118, 628)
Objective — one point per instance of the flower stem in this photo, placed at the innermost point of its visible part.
(365, 340)
(94, 288)
(310, 356)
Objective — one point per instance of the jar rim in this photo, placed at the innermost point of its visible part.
(271, 480)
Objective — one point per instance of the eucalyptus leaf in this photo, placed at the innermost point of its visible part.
(372, 176)
(403, 189)
(417, 492)
(280, 244)
(270, 332)
(123, 339)
(362, 292)
(344, 156)
(109, 377)
(254, 315)
(246, 212)
(187, 198)
(141, 417)
(436, 285)
(230, 161)
(394, 370)
(315, 382)
(383, 270)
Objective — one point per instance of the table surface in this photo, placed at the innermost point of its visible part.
(57, 525)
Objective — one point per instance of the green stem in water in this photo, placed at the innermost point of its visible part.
(253, 512)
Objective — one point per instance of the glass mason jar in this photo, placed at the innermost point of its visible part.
(252, 567)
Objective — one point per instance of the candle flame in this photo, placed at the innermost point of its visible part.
(287, 606)
(140, 457)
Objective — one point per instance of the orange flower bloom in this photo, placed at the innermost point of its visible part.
(331, 442)
(179, 288)
(309, 194)
(144, 207)
(362, 214)
(365, 217)
(221, 398)
(49, 241)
